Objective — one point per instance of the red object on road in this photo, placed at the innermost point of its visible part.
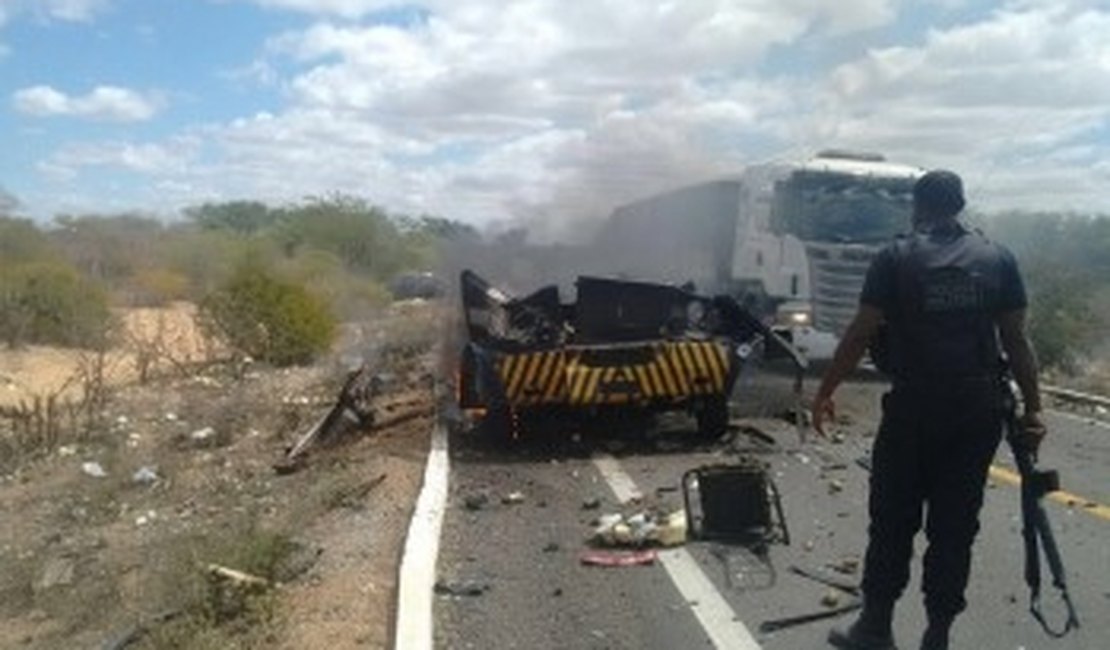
(618, 558)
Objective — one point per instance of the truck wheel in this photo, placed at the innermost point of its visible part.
(498, 425)
(713, 418)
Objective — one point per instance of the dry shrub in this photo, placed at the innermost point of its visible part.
(267, 318)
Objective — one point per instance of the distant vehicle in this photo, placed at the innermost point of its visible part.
(636, 347)
(791, 241)
(409, 286)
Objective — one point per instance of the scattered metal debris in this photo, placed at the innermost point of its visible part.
(640, 529)
(461, 589)
(735, 502)
(833, 601)
(476, 502)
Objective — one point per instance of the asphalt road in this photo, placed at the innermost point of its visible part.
(524, 557)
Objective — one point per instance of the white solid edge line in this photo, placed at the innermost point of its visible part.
(716, 616)
(1090, 421)
(417, 574)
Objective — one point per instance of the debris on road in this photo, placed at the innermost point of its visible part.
(735, 501)
(848, 566)
(461, 589)
(836, 486)
(775, 625)
(618, 558)
(830, 598)
(640, 529)
(93, 469)
(476, 502)
(842, 598)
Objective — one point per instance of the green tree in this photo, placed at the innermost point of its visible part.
(107, 248)
(50, 303)
(1064, 260)
(20, 241)
(267, 317)
(1061, 320)
(239, 217)
(363, 236)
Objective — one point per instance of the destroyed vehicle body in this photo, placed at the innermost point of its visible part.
(621, 345)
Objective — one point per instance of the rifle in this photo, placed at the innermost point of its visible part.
(1036, 530)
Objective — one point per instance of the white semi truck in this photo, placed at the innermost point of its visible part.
(792, 240)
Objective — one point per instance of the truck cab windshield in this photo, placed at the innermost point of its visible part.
(842, 208)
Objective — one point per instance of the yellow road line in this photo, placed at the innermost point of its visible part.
(1010, 477)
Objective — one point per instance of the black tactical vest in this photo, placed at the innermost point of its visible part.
(942, 326)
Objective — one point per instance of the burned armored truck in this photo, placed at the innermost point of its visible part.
(621, 346)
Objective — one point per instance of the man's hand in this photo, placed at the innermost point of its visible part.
(1031, 431)
(848, 353)
(823, 408)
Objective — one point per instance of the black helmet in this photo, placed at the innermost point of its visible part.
(940, 192)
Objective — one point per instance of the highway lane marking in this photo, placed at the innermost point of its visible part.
(417, 575)
(713, 612)
(1010, 477)
(1091, 421)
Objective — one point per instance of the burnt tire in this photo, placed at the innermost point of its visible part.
(713, 418)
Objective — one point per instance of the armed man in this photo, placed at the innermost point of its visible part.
(943, 300)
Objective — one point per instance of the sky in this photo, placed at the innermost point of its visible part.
(545, 111)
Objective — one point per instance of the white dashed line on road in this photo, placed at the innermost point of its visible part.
(417, 575)
(713, 612)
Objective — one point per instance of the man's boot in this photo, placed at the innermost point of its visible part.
(936, 634)
(871, 631)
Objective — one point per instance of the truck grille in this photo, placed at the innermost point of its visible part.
(836, 273)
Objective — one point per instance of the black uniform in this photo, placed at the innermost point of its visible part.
(939, 292)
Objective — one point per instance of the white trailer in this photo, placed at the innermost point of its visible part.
(791, 240)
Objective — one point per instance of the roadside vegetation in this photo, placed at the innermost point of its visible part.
(1067, 271)
(184, 356)
(268, 285)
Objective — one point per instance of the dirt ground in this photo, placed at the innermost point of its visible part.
(108, 538)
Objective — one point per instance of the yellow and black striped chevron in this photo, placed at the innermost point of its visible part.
(661, 372)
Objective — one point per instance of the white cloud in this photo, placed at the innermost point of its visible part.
(81, 11)
(487, 110)
(65, 10)
(345, 8)
(170, 158)
(73, 10)
(997, 99)
(103, 103)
